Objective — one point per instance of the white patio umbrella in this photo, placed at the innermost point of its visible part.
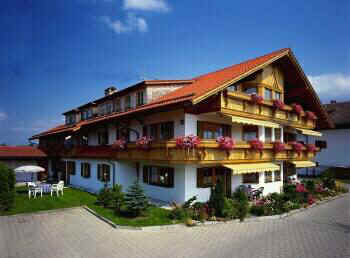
(29, 169)
(27, 173)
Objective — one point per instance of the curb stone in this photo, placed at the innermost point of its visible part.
(210, 223)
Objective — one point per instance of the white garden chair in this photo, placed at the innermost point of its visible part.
(57, 188)
(34, 190)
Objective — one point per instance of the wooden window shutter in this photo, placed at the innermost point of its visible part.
(145, 174)
(99, 170)
(199, 178)
(88, 170)
(171, 177)
(82, 169)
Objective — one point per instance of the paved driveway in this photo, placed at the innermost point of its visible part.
(323, 231)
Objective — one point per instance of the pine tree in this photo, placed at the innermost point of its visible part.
(7, 188)
(135, 199)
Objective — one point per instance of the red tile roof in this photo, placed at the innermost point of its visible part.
(20, 152)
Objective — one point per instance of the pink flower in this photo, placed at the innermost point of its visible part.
(310, 199)
(311, 148)
(297, 147)
(119, 144)
(256, 145)
(300, 188)
(278, 146)
(297, 108)
(310, 115)
(226, 143)
(144, 142)
(256, 99)
(188, 142)
(278, 104)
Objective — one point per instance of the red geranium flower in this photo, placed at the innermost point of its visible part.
(256, 99)
(278, 104)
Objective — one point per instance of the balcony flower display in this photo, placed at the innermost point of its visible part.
(226, 143)
(311, 148)
(297, 108)
(278, 147)
(119, 144)
(310, 115)
(256, 145)
(278, 104)
(188, 142)
(256, 99)
(297, 147)
(143, 142)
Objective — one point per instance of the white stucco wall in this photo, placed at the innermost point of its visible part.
(338, 148)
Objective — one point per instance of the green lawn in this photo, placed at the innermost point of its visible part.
(75, 198)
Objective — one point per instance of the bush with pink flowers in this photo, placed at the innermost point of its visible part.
(256, 99)
(256, 145)
(311, 148)
(278, 147)
(226, 143)
(297, 108)
(297, 147)
(310, 115)
(188, 142)
(278, 104)
(119, 144)
(144, 142)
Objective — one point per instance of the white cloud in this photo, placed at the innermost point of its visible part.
(131, 23)
(3, 116)
(146, 5)
(332, 86)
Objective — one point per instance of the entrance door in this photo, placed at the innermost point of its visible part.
(224, 175)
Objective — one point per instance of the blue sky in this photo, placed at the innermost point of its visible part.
(58, 54)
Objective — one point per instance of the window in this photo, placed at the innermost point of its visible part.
(127, 102)
(84, 140)
(250, 178)
(140, 98)
(233, 87)
(321, 144)
(278, 134)
(208, 130)
(250, 91)
(84, 115)
(205, 177)
(85, 170)
(268, 176)
(102, 138)
(267, 94)
(109, 108)
(117, 105)
(89, 113)
(103, 173)
(102, 109)
(160, 176)
(167, 130)
(154, 131)
(250, 132)
(70, 166)
(70, 119)
(277, 95)
(268, 134)
(277, 176)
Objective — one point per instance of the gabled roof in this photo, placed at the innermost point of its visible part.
(204, 86)
(17, 152)
(339, 113)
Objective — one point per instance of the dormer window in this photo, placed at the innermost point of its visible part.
(70, 119)
(232, 88)
(102, 109)
(128, 102)
(277, 95)
(140, 98)
(109, 107)
(267, 94)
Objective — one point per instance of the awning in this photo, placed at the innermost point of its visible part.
(252, 168)
(249, 121)
(303, 164)
(309, 132)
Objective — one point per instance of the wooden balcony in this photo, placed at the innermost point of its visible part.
(239, 104)
(208, 152)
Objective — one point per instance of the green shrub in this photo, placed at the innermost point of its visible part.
(230, 209)
(135, 200)
(105, 197)
(257, 210)
(310, 185)
(118, 197)
(189, 202)
(289, 191)
(328, 180)
(7, 188)
(241, 204)
(217, 199)
(178, 213)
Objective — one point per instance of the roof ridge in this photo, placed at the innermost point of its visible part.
(243, 62)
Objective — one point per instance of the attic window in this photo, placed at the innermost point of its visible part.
(233, 87)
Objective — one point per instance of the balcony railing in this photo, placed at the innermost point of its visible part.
(208, 151)
(237, 103)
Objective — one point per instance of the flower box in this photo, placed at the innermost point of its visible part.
(310, 115)
(278, 104)
(256, 99)
(256, 145)
(297, 108)
(119, 144)
(188, 142)
(226, 143)
(278, 147)
(311, 148)
(297, 147)
(144, 142)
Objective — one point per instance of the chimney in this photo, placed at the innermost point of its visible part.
(333, 101)
(110, 90)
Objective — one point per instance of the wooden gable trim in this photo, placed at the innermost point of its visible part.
(228, 83)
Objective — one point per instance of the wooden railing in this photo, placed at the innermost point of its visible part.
(207, 152)
(237, 103)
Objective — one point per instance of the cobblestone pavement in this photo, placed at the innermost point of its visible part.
(323, 231)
